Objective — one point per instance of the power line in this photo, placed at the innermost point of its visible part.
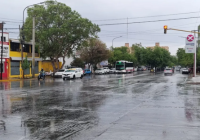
(11, 19)
(147, 21)
(147, 16)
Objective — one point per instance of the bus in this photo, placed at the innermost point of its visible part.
(124, 66)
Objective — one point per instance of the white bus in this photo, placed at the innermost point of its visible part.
(124, 66)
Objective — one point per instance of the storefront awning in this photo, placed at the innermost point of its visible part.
(29, 59)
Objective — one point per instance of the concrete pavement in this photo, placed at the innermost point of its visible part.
(138, 106)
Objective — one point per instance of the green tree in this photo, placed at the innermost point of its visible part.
(25, 65)
(185, 59)
(59, 30)
(157, 57)
(78, 62)
(94, 51)
(121, 53)
(140, 54)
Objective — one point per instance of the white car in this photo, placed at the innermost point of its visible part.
(72, 73)
(185, 71)
(59, 73)
(168, 71)
(112, 70)
(106, 69)
(100, 71)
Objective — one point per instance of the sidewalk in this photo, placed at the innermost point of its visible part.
(14, 79)
(194, 80)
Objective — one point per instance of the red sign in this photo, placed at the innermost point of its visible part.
(190, 38)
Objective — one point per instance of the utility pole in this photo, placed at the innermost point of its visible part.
(33, 49)
(21, 44)
(195, 55)
(1, 49)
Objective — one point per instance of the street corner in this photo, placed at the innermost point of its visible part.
(193, 80)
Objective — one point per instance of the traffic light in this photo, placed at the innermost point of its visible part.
(165, 29)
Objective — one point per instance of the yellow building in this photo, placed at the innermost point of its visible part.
(158, 45)
(14, 62)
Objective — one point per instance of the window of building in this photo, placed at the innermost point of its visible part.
(4, 39)
(14, 46)
(26, 48)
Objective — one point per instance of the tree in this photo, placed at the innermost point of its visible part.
(140, 54)
(94, 51)
(157, 57)
(25, 65)
(185, 59)
(59, 30)
(78, 63)
(121, 53)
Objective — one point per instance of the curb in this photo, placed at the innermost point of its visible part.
(10, 80)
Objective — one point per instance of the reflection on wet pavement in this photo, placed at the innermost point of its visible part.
(137, 106)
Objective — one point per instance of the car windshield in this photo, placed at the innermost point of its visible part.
(70, 71)
(61, 70)
(168, 69)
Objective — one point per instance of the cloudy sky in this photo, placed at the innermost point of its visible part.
(107, 12)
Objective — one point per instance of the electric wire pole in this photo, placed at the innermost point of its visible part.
(33, 49)
(1, 49)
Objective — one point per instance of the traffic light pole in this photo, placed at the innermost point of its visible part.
(2, 52)
(195, 54)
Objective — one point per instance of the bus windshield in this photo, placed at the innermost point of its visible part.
(119, 67)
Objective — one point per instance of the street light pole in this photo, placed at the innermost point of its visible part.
(33, 39)
(114, 39)
(2, 49)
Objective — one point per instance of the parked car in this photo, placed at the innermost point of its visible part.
(168, 71)
(72, 73)
(135, 69)
(50, 73)
(59, 73)
(100, 71)
(112, 70)
(106, 69)
(144, 68)
(87, 71)
(139, 69)
(185, 71)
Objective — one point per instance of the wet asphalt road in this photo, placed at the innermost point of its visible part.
(137, 106)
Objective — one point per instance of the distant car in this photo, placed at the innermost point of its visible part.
(50, 73)
(178, 68)
(100, 71)
(168, 71)
(139, 69)
(72, 73)
(149, 68)
(112, 70)
(59, 73)
(106, 69)
(144, 68)
(185, 71)
(87, 71)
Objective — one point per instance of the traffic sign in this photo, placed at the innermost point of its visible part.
(190, 44)
(190, 38)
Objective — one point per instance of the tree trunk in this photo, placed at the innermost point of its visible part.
(22, 73)
(63, 62)
(57, 63)
(53, 64)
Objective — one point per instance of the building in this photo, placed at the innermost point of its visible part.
(15, 59)
(158, 45)
(5, 59)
